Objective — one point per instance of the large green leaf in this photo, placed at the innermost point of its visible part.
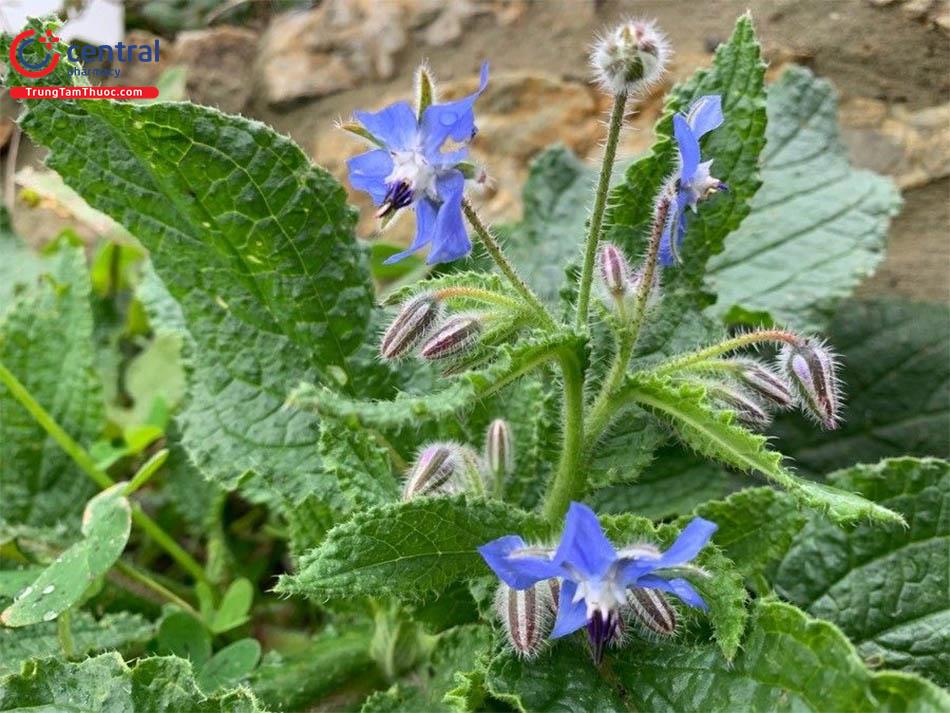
(19, 266)
(737, 75)
(106, 523)
(154, 685)
(406, 549)
(717, 435)
(817, 226)
(896, 369)
(89, 634)
(46, 341)
(788, 662)
(887, 588)
(252, 240)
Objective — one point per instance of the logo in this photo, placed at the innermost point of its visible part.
(34, 70)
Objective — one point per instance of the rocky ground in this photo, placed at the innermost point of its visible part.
(301, 70)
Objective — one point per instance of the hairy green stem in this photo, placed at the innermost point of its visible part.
(494, 249)
(164, 592)
(64, 631)
(724, 347)
(96, 474)
(600, 204)
(603, 409)
(570, 479)
(478, 294)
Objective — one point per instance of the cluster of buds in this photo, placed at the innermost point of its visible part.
(630, 58)
(449, 468)
(620, 283)
(528, 616)
(422, 327)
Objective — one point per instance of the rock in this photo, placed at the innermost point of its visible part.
(216, 60)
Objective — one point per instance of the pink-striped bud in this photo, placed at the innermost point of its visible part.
(499, 449)
(526, 615)
(650, 611)
(456, 336)
(439, 469)
(614, 271)
(811, 367)
(415, 321)
(764, 381)
(747, 407)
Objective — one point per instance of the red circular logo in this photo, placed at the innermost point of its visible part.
(34, 69)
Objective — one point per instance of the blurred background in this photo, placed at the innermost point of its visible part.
(299, 66)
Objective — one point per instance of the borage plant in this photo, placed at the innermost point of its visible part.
(427, 464)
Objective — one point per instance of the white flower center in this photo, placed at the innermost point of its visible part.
(603, 594)
(411, 168)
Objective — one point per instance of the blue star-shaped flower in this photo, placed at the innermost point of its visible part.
(693, 182)
(595, 575)
(410, 169)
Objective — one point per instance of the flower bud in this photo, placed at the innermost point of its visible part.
(526, 615)
(499, 450)
(614, 271)
(747, 407)
(811, 369)
(649, 609)
(630, 58)
(456, 336)
(439, 469)
(415, 321)
(764, 381)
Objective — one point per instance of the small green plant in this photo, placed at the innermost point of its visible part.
(413, 499)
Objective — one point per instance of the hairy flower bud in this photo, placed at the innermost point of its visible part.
(764, 381)
(811, 369)
(630, 57)
(746, 406)
(526, 615)
(651, 611)
(456, 336)
(415, 321)
(499, 449)
(440, 469)
(614, 271)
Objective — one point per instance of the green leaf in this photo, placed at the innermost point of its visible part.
(737, 75)
(106, 523)
(294, 682)
(885, 587)
(716, 435)
(556, 197)
(817, 226)
(457, 651)
(235, 606)
(787, 662)
(756, 527)
(508, 364)
(895, 365)
(46, 341)
(675, 482)
(253, 241)
(182, 635)
(19, 266)
(406, 549)
(162, 684)
(89, 634)
(230, 665)
(357, 467)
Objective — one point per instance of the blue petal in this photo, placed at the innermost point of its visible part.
(516, 572)
(449, 238)
(583, 543)
(425, 224)
(688, 146)
(453, 120)
(395, 126)
(691, 540)
(680, 587)
(705, 114)
(675, 223)
(368, 172)
(570, 616)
